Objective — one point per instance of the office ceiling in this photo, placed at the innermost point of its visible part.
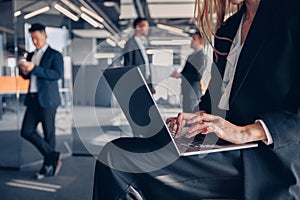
(118, 16)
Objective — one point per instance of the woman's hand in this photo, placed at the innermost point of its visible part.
(177, 123)
(206, 123)
(203, 123)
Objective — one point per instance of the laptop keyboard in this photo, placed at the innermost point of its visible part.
(193, 144)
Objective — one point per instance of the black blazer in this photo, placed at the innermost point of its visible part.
(133, 57)
(132, 54)
(194, 67)
(266, 86)
(267, 78)
(48, 73)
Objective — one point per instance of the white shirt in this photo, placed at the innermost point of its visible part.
(232, 60)
(145, 57)
(36, 59)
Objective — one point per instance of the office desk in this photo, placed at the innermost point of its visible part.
(12, 85)
(16, 152)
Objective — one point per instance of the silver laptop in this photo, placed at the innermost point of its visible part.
(136, 101)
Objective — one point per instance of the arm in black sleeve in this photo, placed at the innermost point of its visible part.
(54, 72)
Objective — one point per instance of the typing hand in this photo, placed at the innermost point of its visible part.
(177, 123)
(206, 123)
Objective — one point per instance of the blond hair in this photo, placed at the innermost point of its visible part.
(210, 15)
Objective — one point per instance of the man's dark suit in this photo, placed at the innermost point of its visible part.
(133, 57)
(266, 86)
(48, 73)
(41, 106)
(190, 81)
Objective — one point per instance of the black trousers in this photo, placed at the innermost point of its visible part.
(138, 168)
(33, 116)
(132, 168)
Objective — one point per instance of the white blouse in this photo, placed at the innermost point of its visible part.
(232, 60)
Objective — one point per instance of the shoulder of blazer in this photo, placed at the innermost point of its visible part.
(51, 50)
(131, 44)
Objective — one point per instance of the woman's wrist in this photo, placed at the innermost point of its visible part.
(254, 132)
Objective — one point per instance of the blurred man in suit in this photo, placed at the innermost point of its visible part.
(44, 67)
(135, 51)
(191, 75)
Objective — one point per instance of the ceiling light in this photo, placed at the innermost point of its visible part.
(162, 42)
(66, 12)
(169, 28)
(37, 12)
(192, 31)
(182, 42)
(173, 30)
(71, 6)
(111, 42)
(104, 55)
(17, 13)
(100, 26)
(170, 42)
(89, 20)
(150, 51)
(92, 14)
(122, 43)
(109, 4)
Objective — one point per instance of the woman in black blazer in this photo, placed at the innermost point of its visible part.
(263, 106)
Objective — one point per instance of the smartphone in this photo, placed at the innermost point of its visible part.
(23, 60)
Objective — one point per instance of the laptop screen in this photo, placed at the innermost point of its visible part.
(135, 100)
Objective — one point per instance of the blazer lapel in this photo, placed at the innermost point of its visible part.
(228, 30)
(258, 33)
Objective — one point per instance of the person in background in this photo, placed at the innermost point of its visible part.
(191, 75)
(44, 67)
(135, 51)
(256, 45)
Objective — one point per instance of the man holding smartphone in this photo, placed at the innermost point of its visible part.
(44, 67)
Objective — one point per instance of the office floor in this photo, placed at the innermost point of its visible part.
(75, 181)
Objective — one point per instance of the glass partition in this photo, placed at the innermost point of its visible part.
(15, 43)
(10, 88)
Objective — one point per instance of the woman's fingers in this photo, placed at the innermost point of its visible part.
(203, 117)
(179, 128)
(171, 122)
(197, 128)
(205, 123)
(204, 128)
(177, 123)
